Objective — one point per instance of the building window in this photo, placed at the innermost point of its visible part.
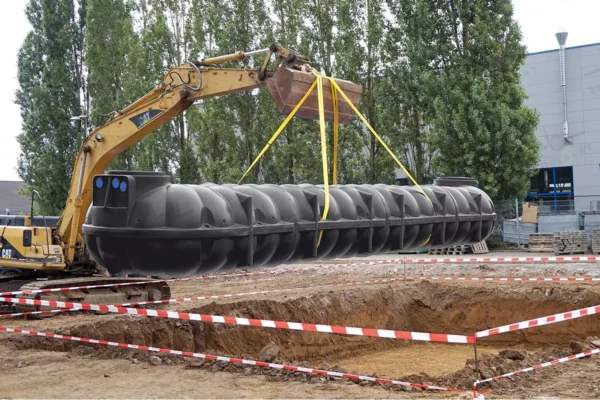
(552, 189)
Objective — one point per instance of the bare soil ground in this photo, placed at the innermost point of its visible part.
(35, 367)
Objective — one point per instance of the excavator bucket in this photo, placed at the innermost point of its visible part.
(288, 86)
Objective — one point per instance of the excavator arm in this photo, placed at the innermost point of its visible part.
(288, 79)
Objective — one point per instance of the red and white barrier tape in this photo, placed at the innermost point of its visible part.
(297, 326)
(355, 283)
(42, 312)
(508, 278)
(507, 260)
(543, 365)
(532, 323)
(107, 285)
(478, 395)
(225, 359)
(367, 282)
(211, 297)
(568, 259)
(202, 277)
(268, 291)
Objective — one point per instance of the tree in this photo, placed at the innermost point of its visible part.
(482, 128)
(461, 99)
(358, 55)
(411, 51)
(148, 57)
(212, 129)
(246, 26)
(440, 84)
(343, 38)
(110, 41)
(172, 26)
(295, 156)
(50, 92)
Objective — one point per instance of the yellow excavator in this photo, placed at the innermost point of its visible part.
(37, 257)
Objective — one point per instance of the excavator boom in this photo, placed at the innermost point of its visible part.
(288, 79)
(139, 223)
(59, 251)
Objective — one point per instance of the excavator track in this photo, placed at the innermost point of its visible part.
(12, 281)
(110, 295)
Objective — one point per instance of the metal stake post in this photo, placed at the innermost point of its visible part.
(475, 391)
(517, 212)
(476, 361)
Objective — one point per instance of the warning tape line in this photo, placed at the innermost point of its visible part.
(532, 323)
(211, 297)
(224, 359)
(268, 291)
(569, 259)
(356, 283)
(42, 312)
(508, 278)
(430, 278)
(132, 283)
(543, 365)
(508, 260)
(298, 326)
(199, 278)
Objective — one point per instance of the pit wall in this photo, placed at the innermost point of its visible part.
(422, 307)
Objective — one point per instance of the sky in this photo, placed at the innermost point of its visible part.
(539, 21)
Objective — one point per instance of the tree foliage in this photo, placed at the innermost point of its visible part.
(49, 94)
(482, 128)
(462, 104)
(440, 84)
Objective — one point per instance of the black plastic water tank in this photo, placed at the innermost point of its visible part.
(141, 223)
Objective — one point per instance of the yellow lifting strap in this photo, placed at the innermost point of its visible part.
(278, 131)
(385, 146)
(323, 151)
(334, 101)
(334, 90)
(364, 120)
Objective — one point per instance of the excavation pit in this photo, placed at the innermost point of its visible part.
(423, 307)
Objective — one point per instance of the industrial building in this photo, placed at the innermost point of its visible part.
(11, 200)
(563, 85)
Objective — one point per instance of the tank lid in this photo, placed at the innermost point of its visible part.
(455, 181)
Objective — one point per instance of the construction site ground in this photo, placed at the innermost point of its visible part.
(36, 367)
